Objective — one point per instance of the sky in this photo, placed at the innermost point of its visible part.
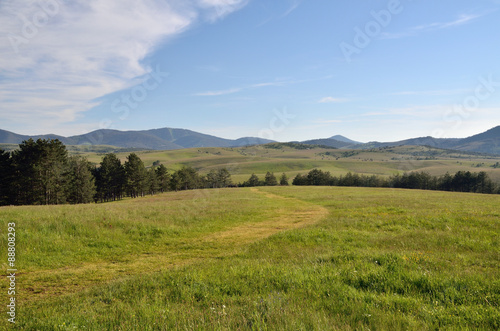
(285, 70)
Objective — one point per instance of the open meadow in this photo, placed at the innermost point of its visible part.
(267, 258)
(293, 159)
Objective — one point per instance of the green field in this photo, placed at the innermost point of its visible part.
(242, 162)
(282, 258)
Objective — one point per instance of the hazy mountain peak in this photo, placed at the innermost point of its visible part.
(344, 139)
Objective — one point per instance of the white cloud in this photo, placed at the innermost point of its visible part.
(333, 100)
(57, 57)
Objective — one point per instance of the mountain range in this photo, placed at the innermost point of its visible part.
(156, 139)
(167, 139)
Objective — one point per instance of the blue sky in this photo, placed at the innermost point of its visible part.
(284, 69)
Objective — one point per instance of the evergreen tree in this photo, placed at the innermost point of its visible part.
(270, 179)
(175, 182)
(80, 183)
(39, 172)
(218, 178)
(136, 176)
(53, 167)
(163, 178)
(6, 178)
(153, 183)
(189, 179)
(224, 178)
(252, 181)
(110, 178)
(284, 180)
(300, 180)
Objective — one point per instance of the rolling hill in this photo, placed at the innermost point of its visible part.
(170, 139)
(487, 142)
(156, 139)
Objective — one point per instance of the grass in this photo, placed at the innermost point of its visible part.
(242, 162)
(284, 258)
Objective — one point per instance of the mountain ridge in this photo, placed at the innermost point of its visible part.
(487, 142)
(154, 139)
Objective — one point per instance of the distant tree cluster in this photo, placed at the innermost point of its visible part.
(41, 173)
(462, 181)
(269, 180)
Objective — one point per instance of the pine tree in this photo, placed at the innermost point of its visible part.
(136, 176)
(284, 180)
(39, 172)
(270, 179)
(189, 179)
(6, 178)
(163, 178)
(153, 183)
(110, 178)
(80, 181)
(252, 181)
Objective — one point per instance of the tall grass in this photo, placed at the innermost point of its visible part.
(381, 259)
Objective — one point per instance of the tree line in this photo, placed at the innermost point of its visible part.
(41, 173)
(462, 181)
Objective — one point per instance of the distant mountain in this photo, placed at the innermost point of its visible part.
(345, 140)
(156, 139)
(328, 142)
(337, 141)
(167, 138)
(487, 142)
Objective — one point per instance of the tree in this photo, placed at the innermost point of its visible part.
(284, 180)
(218, 178)
(110, 178)
(252, 181)
(189, 179)
(6, 178)
(154, 185)
(224, 177)
(80, 183)
(136, 176)
(39, 172)
(318, 177)
(270, 179)
(175, 182)
(300, 180)
(163, 178)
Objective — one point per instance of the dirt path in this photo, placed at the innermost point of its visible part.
(50, 283)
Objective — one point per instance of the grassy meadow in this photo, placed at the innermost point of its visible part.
(242, 162)
(267, 258)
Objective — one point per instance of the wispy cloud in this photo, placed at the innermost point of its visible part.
(58, 57)
(218, 93)
(295, 4)
(414, 31)
(432, 92)
(333, 100)
(239, 89)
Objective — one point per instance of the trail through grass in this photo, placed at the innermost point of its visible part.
(201, 228)
(282, 258)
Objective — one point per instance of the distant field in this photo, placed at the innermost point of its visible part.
(242, 162)
(285, 258)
